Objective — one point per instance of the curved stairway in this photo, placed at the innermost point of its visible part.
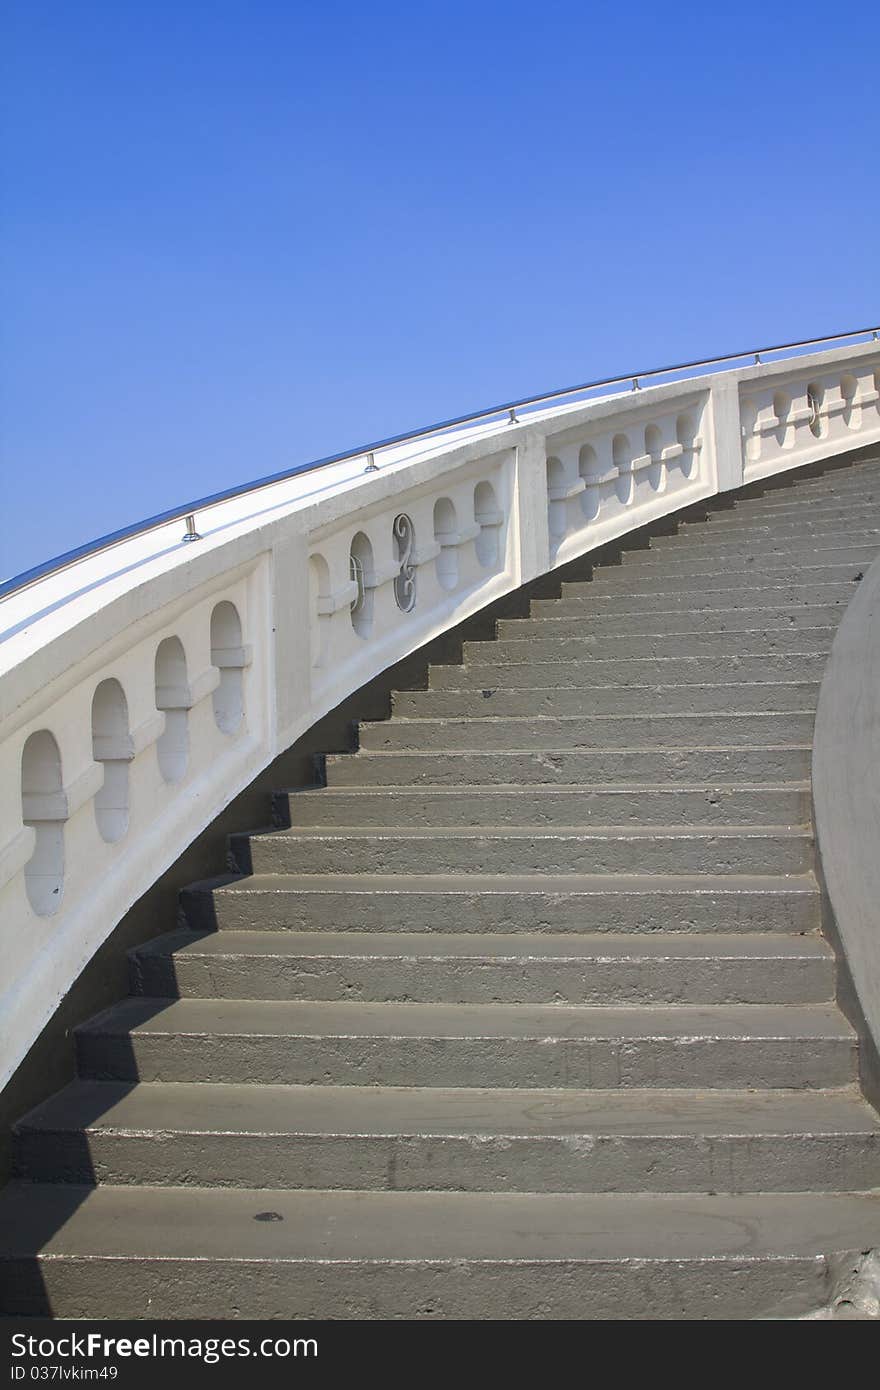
(528, 1014)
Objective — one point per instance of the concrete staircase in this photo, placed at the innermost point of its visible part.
(527, 1014)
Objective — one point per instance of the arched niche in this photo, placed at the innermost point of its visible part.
(44, 808)
(556, 500)
(685, 434)
(588, 470)
(487, 515)
(319, 592)
(227, 654)
(782, 410)
(852, 411)
(172, 696)
(446, 537)
(111, 746)
(361, 568)
(654, 450)
(622, 455)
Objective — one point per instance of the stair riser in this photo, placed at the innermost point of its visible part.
(790, 523)
(833, 480)
(665, 730)
(758, 543)
(561, 853)
(739, 526)
(471, 1163)
(592, 675)
(600, 646)
(614, 1290)
(500, 700)
(748, 578)
(622, 765)
(700, 592)
(428, 980)
(858, 499)
(554, 911)
(749, 561)
(522, 808)
(366, 1061)
(753, 627)
(843, 488)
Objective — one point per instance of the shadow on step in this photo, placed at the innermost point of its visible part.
(53, 1173)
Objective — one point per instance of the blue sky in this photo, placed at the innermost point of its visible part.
(240, 235)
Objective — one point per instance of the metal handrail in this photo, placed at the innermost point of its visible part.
(187, 512)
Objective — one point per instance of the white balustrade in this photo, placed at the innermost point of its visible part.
(142, 688)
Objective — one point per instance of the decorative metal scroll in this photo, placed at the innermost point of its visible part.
(814, 405)
(405, 580)
(357, 573)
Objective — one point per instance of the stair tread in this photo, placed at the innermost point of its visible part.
(820, 629)
(719, 613)
(494, 945)
(629, 584)
(203, 1107)
(566, 751)
(659, 662)
(422, 1227)
(506, 789)
(469, 883)
(563, 750)
(333, 1018)
(539, 720)
(548, 832)
(649, 687)
(760, 543)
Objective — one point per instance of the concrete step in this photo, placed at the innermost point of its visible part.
(726, 633)
(866, 472)
(816, 511)
(684, 638)
(740, 804)
(737, 525)
(859, 479)
(505, 699)
(680, 672)
(528, 733)
(857, 483)
(767, 558)
(383, 1138)
(563, 767)
(687, 574)
(605, 635)
(254, 1253)
(694, 592)
(813, 505)
(470, 967)
(576, 618)
(761, 543)
(716, 849)
(557, 1045)
(506, 903)
(601, 616)
(755, 624)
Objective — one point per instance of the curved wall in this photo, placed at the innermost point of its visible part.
(846, 798)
